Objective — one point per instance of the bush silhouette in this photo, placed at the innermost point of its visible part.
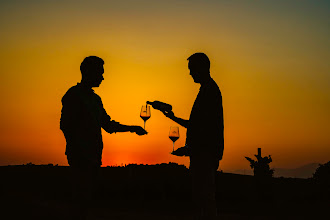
(261, 165)
(322, 174)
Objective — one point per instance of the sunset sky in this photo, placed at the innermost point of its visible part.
(269, 58)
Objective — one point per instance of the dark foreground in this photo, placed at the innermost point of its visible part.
(156, 192)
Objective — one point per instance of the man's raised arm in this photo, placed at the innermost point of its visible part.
(180, 121)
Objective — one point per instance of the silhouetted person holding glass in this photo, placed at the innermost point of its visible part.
(205, 138)
(82, 118)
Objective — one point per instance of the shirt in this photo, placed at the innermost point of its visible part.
(82, 118)
(205, 127)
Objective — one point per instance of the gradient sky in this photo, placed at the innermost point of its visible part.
(269, 58)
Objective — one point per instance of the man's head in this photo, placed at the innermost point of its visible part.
(199, 66)
(92, 71)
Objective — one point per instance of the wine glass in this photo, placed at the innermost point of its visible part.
(174, 135)
(145, 114)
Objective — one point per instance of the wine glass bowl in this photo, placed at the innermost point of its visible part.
(174, 135)
(145, 114)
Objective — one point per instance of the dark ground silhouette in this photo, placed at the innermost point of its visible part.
(154, 192)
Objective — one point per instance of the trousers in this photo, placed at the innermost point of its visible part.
(203, 172)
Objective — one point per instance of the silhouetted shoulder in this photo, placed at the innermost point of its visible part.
(214, 86)
(212, 90)
(78, 92)
(70, 94)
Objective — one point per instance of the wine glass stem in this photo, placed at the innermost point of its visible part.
(144, 127)
(173, 147)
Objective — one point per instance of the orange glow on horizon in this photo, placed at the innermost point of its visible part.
(274, 77)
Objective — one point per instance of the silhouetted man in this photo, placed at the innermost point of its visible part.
(82, 118)
(205, 139)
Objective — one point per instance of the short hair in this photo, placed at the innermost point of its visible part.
(201, 60)
(90, 63)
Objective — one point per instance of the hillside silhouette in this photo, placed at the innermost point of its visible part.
(159, 191)
(305, 171)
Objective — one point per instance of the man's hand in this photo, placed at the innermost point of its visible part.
(182, 151)
(138, 130)
(169, 114)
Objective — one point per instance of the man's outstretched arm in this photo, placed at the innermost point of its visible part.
(180, 121)
(113, 126)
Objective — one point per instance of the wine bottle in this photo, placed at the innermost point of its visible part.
(164, 107)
